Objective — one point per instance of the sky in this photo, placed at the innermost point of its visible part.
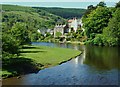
(59, 3)
(58, 0)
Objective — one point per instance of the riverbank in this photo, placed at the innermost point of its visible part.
(75, 42)
(34, 58)
(71, 42)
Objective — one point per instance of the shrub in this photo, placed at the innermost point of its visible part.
(98, 40)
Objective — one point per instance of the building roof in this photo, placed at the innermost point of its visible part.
(70, 20)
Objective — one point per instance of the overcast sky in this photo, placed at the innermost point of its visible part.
(58, 0)
(59, 3)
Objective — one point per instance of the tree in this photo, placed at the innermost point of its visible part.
(58, 34)
(96, 21)
(118, 5)
(102, 4)
(112, 31)
(20, 33)
(10, 46)
(90, 8)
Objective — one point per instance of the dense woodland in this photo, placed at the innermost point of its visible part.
(66, 13)
(102, 25)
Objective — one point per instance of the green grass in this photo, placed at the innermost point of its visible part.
(47, 55)
(5, 72)
(34, 58)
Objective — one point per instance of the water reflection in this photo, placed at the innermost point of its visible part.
(79, 60)
(104, 58)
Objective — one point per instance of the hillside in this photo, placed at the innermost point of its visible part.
(64, 12)
(40, 17)
(17, 8)
(34, 19)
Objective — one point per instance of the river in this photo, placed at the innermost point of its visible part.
(95, 66)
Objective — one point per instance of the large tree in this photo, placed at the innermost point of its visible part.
(96, 21)
(112, 32)
(20, 33)
(102, 4)
(10, 46)
(118, 5)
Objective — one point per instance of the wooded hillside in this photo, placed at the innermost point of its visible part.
(64, 12)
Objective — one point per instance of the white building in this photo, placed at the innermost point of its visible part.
(60, 28)
(73, 24)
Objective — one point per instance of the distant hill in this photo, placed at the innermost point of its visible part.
(39, 18)
(64, 12)
(17, 8)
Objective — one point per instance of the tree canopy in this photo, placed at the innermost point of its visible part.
(102, 25)
(64, 12)
(97, 20)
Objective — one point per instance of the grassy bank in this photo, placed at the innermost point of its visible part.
(34, 58)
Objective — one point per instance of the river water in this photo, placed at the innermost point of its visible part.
(95, 66)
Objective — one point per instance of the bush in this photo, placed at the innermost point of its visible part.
(58, 34)
(112, 41)
(10, 46)
(98, 40)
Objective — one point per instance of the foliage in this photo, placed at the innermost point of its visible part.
(58, 34)
(97, 20)
(118, 5)
(112, 31)
(17, 8)
(64, 12)
(90, 8)
(98, 40)
(10, 46)
(102, 4)
(75, 36)
(33, 18)
(102, 25)
(20, 33)
(20, 25)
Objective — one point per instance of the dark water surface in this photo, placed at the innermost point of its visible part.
(96, 66)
